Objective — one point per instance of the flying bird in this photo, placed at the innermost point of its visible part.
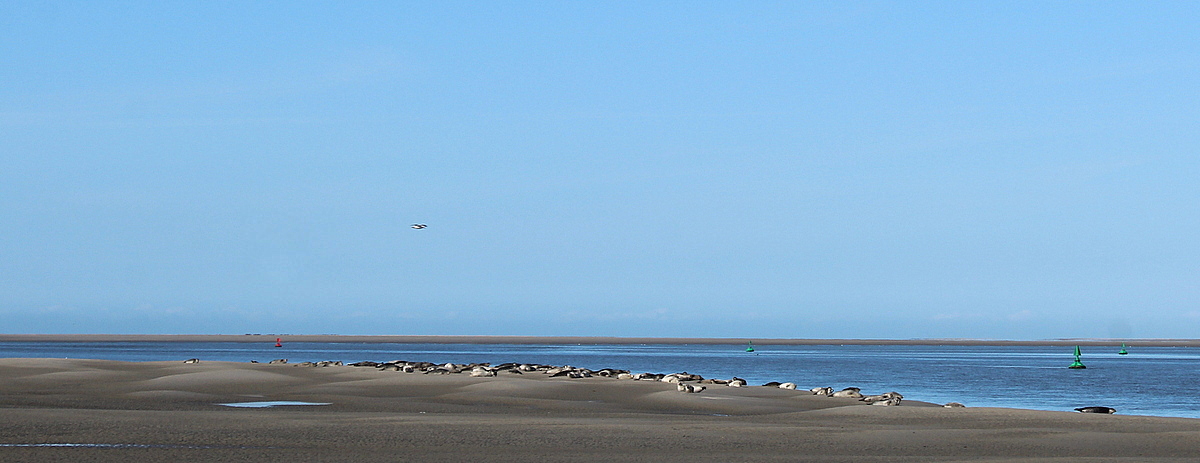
(418, 226)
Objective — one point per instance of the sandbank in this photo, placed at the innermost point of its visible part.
(168, 411)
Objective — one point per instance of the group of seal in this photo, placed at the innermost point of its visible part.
(323, 363)
(682, 380)
(886, 399)
(685, 382)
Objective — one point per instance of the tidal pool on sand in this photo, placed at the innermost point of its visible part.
(270, 403)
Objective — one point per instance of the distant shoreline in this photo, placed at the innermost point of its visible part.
(419, 339)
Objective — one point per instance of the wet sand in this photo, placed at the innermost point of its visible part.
(167, 411)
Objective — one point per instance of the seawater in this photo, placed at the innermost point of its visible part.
(271, 403)
(1158, 381)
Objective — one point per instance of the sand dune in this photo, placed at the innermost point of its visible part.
(167, 411)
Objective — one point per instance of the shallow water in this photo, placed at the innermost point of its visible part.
(270, 403)
(1160, 381)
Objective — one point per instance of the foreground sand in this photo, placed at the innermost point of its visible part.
(170, 409)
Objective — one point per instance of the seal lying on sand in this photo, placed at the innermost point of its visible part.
(682, 387)
(885, 397)
(1096, 410)
(851, 392)
(889, 402)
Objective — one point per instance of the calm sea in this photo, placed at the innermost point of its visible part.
(1160, 381)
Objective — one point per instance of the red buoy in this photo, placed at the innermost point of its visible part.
(278, 342)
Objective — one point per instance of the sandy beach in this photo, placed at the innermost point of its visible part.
(169, 411)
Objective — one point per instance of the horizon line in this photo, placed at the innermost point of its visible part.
(563, 340)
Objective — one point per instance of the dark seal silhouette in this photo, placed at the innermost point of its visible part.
(1096, 410)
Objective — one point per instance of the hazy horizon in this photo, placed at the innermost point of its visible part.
(899, 170)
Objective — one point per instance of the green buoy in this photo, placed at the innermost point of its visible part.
(1123, 351)
(1076, 365)
(750, 347)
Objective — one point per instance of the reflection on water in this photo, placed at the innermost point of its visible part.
(1162, 381)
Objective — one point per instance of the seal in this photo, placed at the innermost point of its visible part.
(851, 392)
(192, 361)
(882, 397)
(890, 402)
(1107, 410)
(481, 372)
(690, 388)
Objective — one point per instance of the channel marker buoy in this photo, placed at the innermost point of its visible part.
(750, 347)
(1123, 351)
(278, 342)
(1077, 365)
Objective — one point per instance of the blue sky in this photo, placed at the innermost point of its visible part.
(1018, 170)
